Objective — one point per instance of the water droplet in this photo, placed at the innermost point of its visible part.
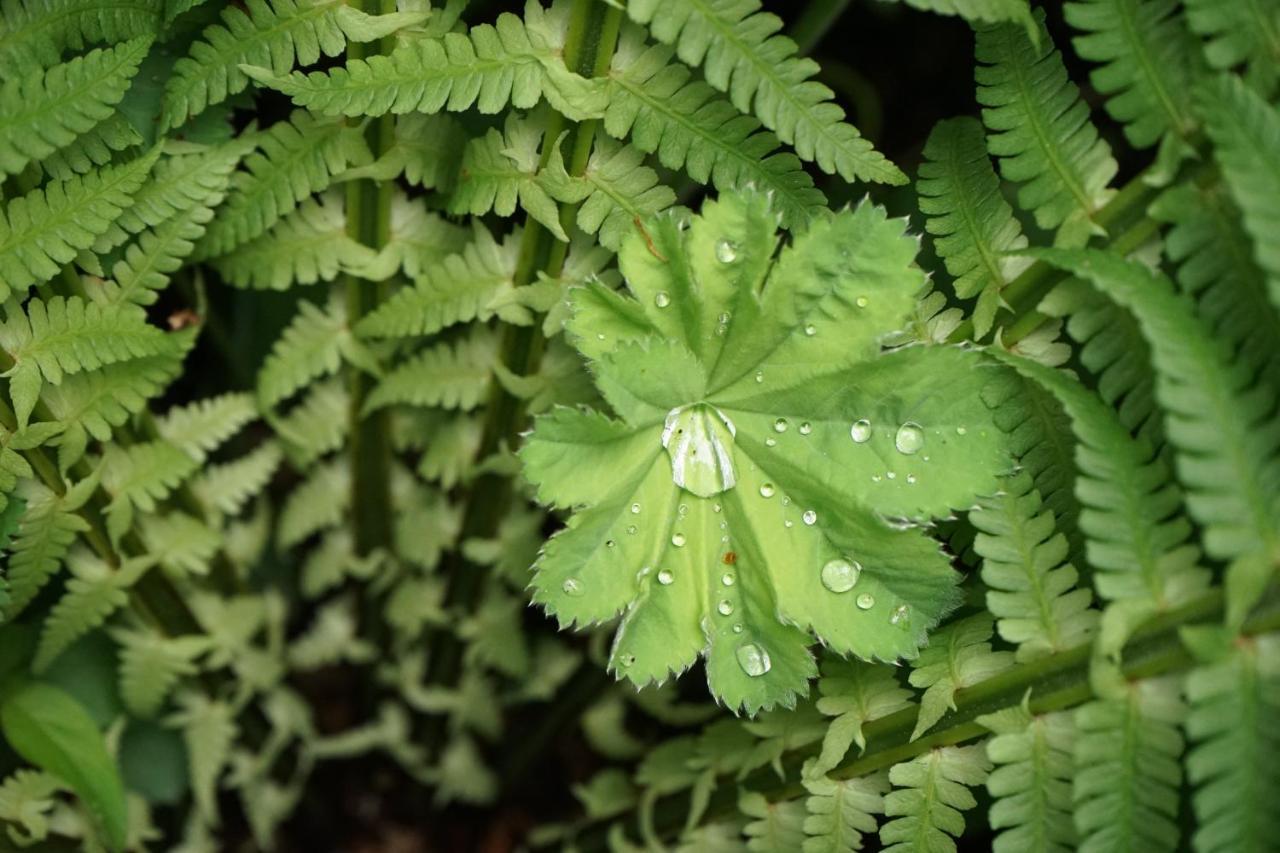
(759, 376)
(840, 575)
(786, 501)
(716, 508)
(780, 425)
(961, 430)
(610, 543)
(682, 510)
(726, 251)
(753, 660)
(725, 607)
(910, 438)
(860, 431)
(861, 302)
(771, 442)
(678, 540)
(911, 479)
(631, 529)
(899, 615)
(806, 428)
(573, 587)
(635, 509)
(809, 517)
(875, 478)
(725, 317)
(727, 579)
(766, 490)
(866, 601)
(892, 475)
(699, 439)
(599, 337)
(788, 524)
(666, 577)
(811, 330)
(663, 299)
(737, 629)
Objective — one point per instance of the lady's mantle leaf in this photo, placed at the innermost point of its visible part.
(770, 469)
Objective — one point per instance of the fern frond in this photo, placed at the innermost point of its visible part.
(91, 149)
(308, 245)
(139, 476)
(958, 656)
(743, 54)
(418, 240)
(36, 33)
(929, 798)
(43, 110)
(842, 811)
(1234, 698)
(180, 543)
(1245, 131)
(151, 665)
(317, 425)
(1040, 130)
(513, 61)
(44, 229)
(426, 152)
(972, 225)
(500, 169)
(450, 451)
(1031, 782)
(1239, 32)
(1031, 589)
(228, 487)
(1222, 427)
(148, 263)
(665, 111)
(1147, 60)
(298, 158)
(473, 284)
(317, 504)
(330, 639)
(451, 376)
(94, 593)
(984, 11)
(1127, 772)
(776, 827)
(198, 428)
(46, 531)
(69, 335)
(278, 35)
(309, 348)
(209, 730)
(854, 693)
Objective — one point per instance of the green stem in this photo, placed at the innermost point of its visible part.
(592, 36)
(1056, 683)
(369, 222)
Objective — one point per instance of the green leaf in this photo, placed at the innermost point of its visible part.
(51, 730)
(842, 811)
(854, 693)
(1031, 782)
(501, 168)
(986, 11)
(957, 656)
(776, 828)
(36, 33)
(1239, 32)
(764, 392)
(930, 794)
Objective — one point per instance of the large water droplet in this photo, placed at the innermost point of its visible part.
(780, 425)
(726, 251)
(699, 440)
(909, 438)
(860, 431)
(767, 490)
(861, 302)
(727, 579)
(866, 601)
(811, 330)
(753, 660)
(809, 517)
(635, 509)
(806, 428)
(572, 587)
(725, 607)
(841, 575)
(663, 299)
(678, 540)
(666, 577)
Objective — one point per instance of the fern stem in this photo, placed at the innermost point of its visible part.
(1056, 683)
(592, 37)
(369, 222)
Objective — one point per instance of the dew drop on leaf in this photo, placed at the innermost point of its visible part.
(961, 430)
(806, 428)
(753, 660)
(627, 660)
(726, 251)
(678, 540)
(909, 438)
(861, 302)
(899, 615)
(770, 442)
(610, 543)
(727, 579)
(663, 299)
(635, 509)
(866, 601)
(892, 475)
(811, 330)
(699, 440)
(632, 529)
(809, 517)
(841, 575)
(572, 586)
(766, 490)
(860, 431)
(725, 607)
(665, 577)
(780, 425)
(911, 479)
(759, 376)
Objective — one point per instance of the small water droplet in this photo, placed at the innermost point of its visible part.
(573, 587)
(766, 490)
(725, 607)
(961, 430)
(899, 615)
(666, 577)
(682, 510)
(635, 509)
(737, 629)
(771, 442)
(725, 317)
(631, 529)
(727, 579)
(860, 431)
(716, 508)
(780, 425)
(806, 428)
(892, 475)
(840, 575)
(786, 501)
(610, 543)
(811, 330)
(753, 660)
(788, 524)
(911, 479)
(909, 438)
(759, 376)
(726, 251)
(599, 337)
(861, 302)
(678, 540)
(866, 601)
(663, 299)
(809, 517)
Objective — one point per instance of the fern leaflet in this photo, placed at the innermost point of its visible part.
(929, 797)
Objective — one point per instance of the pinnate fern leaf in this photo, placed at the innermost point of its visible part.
(983, 11)
(198, 428)
(447, 375)
(958, 656)
(1239, 32)
(842, 811)
(1031, 782)
(929, 798)
(151, 665)
(854, 693)
(758, 437)
(36, 33)
(45, 534)
(94, 593)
